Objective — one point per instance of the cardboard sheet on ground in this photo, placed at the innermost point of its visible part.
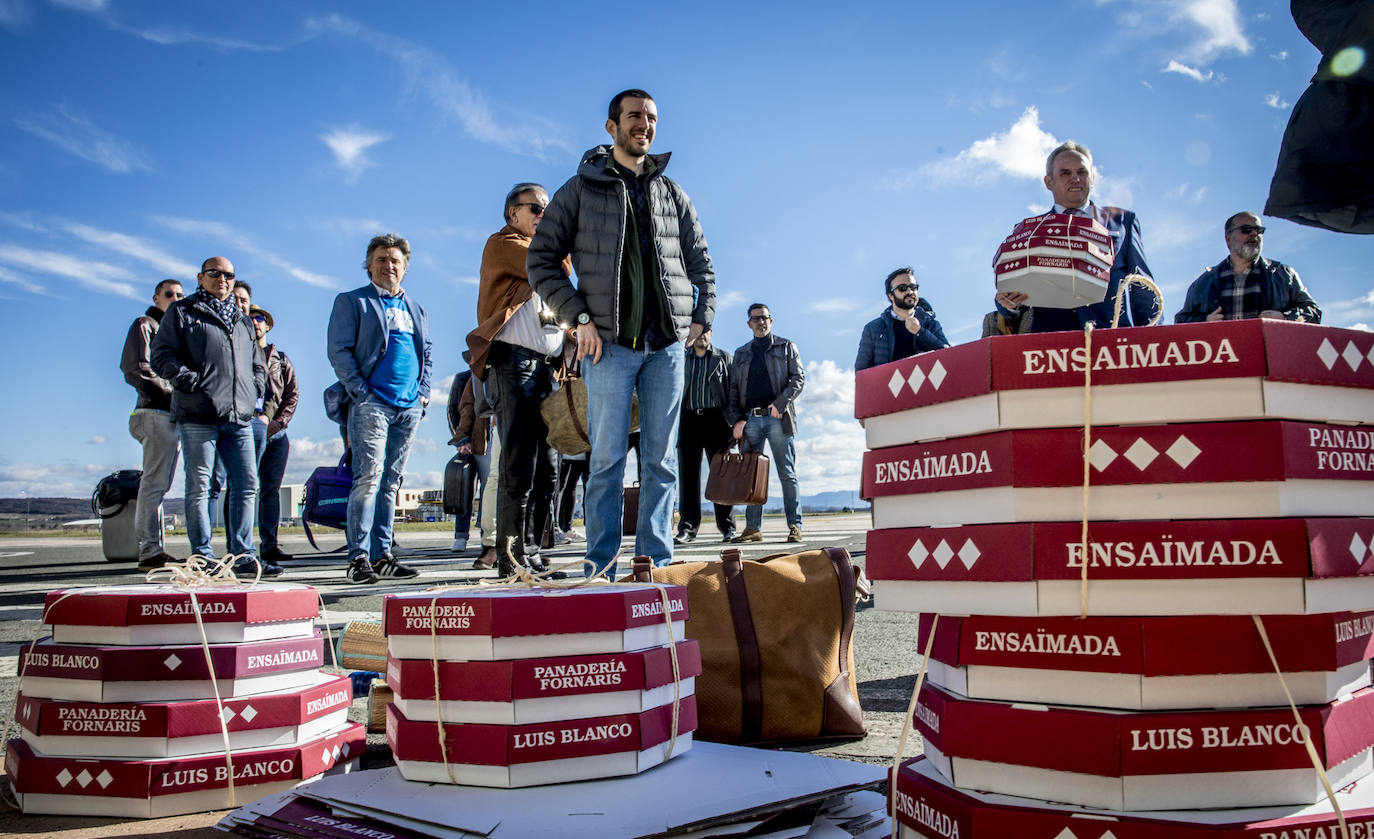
(712, 784)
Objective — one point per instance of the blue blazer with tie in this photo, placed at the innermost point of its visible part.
(1141, 303)
(357, 337)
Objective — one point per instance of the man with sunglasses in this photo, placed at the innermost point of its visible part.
(905, 328)
(206, 348)
(151, 425)
(516, 338)
(1245, 284)
(644, 285)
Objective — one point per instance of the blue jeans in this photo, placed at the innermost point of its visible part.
(218, 479)
(380, 435)
(234, 446)
(271, 468)
(784, 455)
(611, 384)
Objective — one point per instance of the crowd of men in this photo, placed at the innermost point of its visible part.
(608, 279)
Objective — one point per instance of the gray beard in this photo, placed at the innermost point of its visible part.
(1249, 253)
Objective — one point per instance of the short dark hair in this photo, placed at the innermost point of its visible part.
(514, 194)
(1227, 226)
(385, 240)
(752, 306)
(905, 269)
(613, 112)
(245, 286)
(157, 289)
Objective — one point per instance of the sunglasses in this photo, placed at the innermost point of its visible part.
(760, 319)
(259, 319)
(215, 274)
(1247, 229)
(905, 287)
(173, 295)
(535, 209)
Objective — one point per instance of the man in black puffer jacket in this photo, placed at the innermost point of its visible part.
(644, 284)
(207, 349)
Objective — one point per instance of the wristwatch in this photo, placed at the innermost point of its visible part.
(583, 317)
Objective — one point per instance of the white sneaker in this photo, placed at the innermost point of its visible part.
(560, 538)
(574, 535)
(459, 545)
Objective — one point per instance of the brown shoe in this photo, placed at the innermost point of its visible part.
(794, 533)
(486, 561)
(749, 535)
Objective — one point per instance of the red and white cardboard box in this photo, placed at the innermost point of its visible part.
(1249, 369)
(172, 786)
(1253, 469)
(1150, 760)
(540, 753)
(1056, 282)
(162, 614)
(173, 729)
(1041, 244)
(147, 674)
(1184, 567)
(508, 623)
(1211, 661)
(533, 690)
(929, 808)
(1062, 224)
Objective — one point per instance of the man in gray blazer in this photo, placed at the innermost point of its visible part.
(380, 349)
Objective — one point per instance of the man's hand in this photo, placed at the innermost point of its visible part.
(262, 418)
(588, 342)
(1010, 300)
(1215, 315)
(913, 324)
(694, 332)
(1272, 314)
(739, 430)
(774, 412)
(466, 448)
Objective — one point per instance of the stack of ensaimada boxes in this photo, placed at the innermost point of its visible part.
(117, 709)
(1229, 474)
(539, 685)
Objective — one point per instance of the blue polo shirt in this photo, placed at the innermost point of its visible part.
(396, 378)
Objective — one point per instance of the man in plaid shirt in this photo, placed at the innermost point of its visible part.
(1246, 285)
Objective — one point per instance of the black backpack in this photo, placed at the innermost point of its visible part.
(115, 492)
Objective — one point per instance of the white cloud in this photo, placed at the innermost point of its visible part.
(227, 238)
(134, 247)
(13, 14)
(430, 73)
(1191, 72)
(65, 479)
(75, 133)
(164, 35)
(1281, 55)
(11, 278)
(98, 440)
(99, 276)
(1217, 26)
(1170, 232)
(467, 281)
(438, 393)
(834, 304)
(1185, 192)
(830, 442)
(731, 298)
(350, 146)
(1020, 152)
(1273, 100)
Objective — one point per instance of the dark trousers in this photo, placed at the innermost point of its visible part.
(700, 434)
(570, 472)
(271, 469)
(517, 381)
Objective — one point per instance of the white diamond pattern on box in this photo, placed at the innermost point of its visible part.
(917, 554)
(1352, 355)
(937, 374)
(969, 553)
(943, 553)
(1370, 355)
(895, 383)
(1141, 453)
(1327, 353)
(172, 662)
(324, 755)
(1357, 548)
(84, 779)
(226, 713)
(104, 778)
(1101, 455)
(1183, 451)
(916, 379)
(248, 713)
(64, 777)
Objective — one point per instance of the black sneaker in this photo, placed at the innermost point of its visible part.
(686, 537)
(245, 568)
(389, 569)
(360, 572)
(727, 536)
(158, 561)
(276, 556)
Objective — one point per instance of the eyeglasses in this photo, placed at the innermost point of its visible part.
(215, 274)
(760, 319)
(173, 295)
(905, 287)
(1247, 229)
(535, 209)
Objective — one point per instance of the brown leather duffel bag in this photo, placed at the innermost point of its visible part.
(776, 640)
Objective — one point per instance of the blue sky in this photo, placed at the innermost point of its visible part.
(822, 147)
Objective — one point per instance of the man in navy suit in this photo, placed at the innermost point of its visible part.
(380, 350)
(1069, 177)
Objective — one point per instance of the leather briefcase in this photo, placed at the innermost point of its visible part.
(630, 520)
(777, 644)
(460, 480)
(737, 477)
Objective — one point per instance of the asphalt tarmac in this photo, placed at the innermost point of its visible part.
(885, 651)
